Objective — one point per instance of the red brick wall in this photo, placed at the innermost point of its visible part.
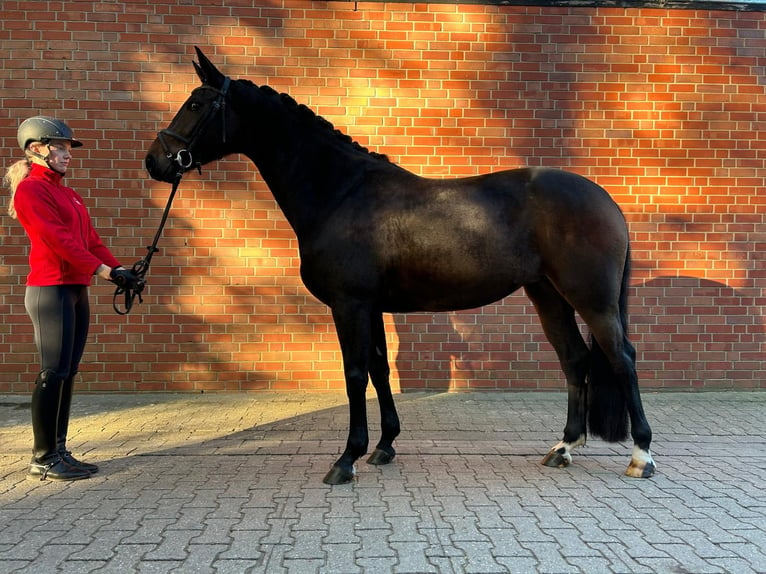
(666, 109)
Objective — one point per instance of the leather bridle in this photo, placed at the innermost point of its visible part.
(183, 157)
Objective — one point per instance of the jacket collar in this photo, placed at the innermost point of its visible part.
(46, 173)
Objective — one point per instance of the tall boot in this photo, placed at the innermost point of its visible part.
(46, 461)
(63, 427)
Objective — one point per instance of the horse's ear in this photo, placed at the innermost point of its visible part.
(206, 71)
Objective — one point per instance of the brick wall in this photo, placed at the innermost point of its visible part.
(666, 109)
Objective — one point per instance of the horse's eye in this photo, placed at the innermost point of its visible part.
(194, 106)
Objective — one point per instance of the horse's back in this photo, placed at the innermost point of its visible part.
(539, 214)
(419, 244)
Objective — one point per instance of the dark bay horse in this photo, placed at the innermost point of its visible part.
(375, 238)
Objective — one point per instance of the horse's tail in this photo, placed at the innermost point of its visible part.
(607, 402)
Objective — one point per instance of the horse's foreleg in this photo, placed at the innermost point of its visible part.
(379, 373)
(352, 323)
(560, 327)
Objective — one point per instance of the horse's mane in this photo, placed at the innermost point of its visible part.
(308, 116)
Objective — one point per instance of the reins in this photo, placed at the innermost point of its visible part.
(141, 266)
(184, 160)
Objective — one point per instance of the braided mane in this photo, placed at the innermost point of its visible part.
(308, 116)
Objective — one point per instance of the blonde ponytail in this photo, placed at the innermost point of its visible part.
(13, 177)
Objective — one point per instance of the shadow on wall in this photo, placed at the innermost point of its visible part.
(690, 333)
(693, 332)
(500, 346)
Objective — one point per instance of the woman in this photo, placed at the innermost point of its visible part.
(65, 253)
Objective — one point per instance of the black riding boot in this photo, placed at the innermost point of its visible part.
(63, 427)
(46, 461)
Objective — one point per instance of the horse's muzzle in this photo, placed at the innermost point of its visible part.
(161, 170)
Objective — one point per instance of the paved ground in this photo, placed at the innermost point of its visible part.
(233, 483)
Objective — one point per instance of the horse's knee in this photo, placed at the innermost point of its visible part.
(356, 381)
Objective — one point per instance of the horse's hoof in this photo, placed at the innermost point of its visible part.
(641, 463)
(338, 475)
(380, 456)
(557, 458)
(640, 469)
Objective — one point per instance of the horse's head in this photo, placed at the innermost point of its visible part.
(198, 133)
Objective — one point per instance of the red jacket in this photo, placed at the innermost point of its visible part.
(65, 250)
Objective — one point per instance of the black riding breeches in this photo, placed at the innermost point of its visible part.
(61, 316)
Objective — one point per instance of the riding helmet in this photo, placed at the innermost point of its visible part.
(44, 129)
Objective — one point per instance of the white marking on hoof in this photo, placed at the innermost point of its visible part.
(565, 451)
(642, 464)
(561, 454)
(569, 446)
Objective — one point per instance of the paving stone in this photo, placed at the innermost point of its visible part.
(233, 483)
(412, 557)
(341, 557)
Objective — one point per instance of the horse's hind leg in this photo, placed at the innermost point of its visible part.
(560, 327)
(614, 390)
(379, 374)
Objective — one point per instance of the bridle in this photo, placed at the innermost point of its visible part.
(183, 157)
(183, 160)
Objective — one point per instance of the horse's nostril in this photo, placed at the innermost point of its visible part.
(149, 163)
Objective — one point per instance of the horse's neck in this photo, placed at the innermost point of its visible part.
(306, 165)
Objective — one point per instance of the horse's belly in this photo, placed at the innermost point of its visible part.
(434, 295)
(410, 289)
(410, 304)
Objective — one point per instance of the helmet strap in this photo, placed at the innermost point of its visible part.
(29, 151)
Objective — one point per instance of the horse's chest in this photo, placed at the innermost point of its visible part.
(331, 267)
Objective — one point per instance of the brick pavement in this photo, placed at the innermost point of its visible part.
(233, 483)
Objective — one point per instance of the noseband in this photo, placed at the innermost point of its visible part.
(183, 157)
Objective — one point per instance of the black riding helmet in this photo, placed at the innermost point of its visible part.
(44, 129)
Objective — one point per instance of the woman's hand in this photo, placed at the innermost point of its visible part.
(123, 278)
(104, 271)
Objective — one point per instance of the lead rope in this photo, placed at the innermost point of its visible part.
(141, 266)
